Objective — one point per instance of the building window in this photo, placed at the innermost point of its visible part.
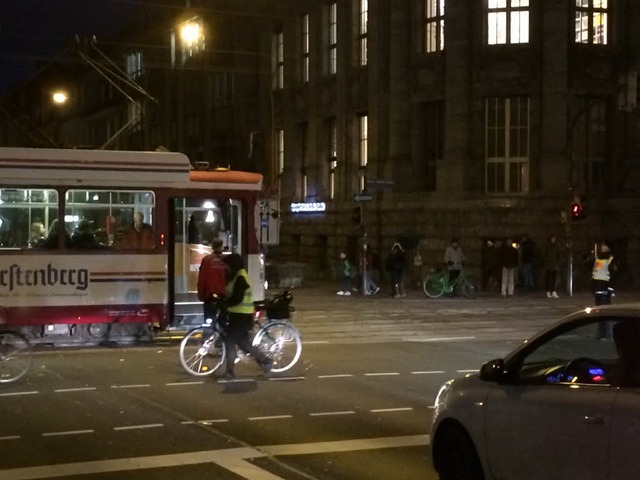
(590, 144)
(363, 148)
(277, 60)
(591, 21)
(134, 66)
(363, 32)
(304, 156)
(304, 67)
(507, 145)
(280, 151)
(433, 26)
(332, 129)
(332, 52)
(508, 22)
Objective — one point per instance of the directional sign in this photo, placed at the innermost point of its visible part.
(363, 197)
(379, 184)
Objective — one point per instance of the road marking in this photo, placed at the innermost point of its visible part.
(427, 372)
(272, 417)
(316, 342)
(285, 379)
(381, 374)
(475, 370)
(339, 375)
(83, 389)
(326, 414)
(10, 437)
(141, 385)
(182, 384)
(70, 432)
(233, 459)
(437, 339)
(139, 427)
(385, 410)
(215, 420)
(16, 394)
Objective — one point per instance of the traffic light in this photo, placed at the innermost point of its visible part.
(356, 215)
(577, 211)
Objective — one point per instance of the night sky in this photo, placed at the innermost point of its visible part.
(34, 32)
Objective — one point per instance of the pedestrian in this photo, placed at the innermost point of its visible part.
(509, 262)
(603, 268)
(370, 285)
(345, 274)
(527, 261)
(454, 259)
(239, 306)
(417, 268)
(551, 265)
(212, 281)
(395, 266)
(488, 261)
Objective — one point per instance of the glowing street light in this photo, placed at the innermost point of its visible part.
(59, 97)
(190, 33)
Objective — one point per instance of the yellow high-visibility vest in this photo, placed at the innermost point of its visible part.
(246, 306)
(601, 269)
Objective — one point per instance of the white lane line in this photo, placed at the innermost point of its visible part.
(139, 427)
(437, 339)
(285, 379)
(141, 385)
(214, 420)
(70, 432)
(327, 414)
(82, 389)
(10, 437)
(339, 375)
(272, 417)
(182, 384)
(389, 410)
(427, 372)
(381, 374)
(316, 342)
(232, 459)
(17, 394)
(475, 370)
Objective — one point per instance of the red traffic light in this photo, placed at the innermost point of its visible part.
(577, 211)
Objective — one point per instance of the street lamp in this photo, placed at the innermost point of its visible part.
(59, 97)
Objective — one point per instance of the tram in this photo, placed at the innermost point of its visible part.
(98, 243)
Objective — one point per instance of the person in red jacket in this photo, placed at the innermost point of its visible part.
(211, 279)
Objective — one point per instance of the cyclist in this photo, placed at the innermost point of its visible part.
(211, 280)
(239, 306)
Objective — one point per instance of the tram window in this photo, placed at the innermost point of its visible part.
(26, 215)
(120, 220)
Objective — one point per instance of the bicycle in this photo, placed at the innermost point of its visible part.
(202, 350)
(437, 283)
(15, 358)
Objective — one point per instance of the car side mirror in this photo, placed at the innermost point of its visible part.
(492, 371)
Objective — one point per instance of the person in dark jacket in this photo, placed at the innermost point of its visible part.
(509, 262)
(603, 267)
(551, 264)
(239, 306)
(395, 265)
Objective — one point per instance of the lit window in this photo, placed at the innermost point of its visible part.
(507, 145)
(333, 156)
(305, 49)
(363, 153)
(433, 26)
(280, 150)
(507, 22)
(333, 39)
(134, 66)
(277, 60)
(363, 31)
(591, 21)
(304, 153)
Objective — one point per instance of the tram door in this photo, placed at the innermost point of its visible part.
(196, 222)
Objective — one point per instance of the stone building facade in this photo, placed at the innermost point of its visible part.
(478, 120)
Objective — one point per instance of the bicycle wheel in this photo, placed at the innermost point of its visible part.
(15, 357)
(469, 288)
(434, 285)
(202, 351)
(281, 342)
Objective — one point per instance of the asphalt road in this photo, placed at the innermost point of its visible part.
(357, 406)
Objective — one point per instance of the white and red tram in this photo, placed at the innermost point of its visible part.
(73, 265)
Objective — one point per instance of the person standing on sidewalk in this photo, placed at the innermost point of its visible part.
(345, 274)
(454, 259)
(395, 265)
(603, 267)
(551, 264)
(509, 261)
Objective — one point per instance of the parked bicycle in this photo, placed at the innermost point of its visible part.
(436, 284)
(202, 350)
(15, 356)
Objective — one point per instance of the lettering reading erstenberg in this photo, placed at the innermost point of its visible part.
(16, 276)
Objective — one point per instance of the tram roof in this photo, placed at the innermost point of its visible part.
(114, 168)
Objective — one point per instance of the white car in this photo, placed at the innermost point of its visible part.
(564, 405)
